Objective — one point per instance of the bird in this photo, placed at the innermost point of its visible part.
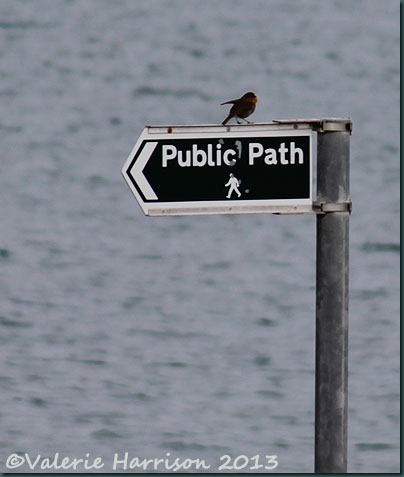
(242, 107)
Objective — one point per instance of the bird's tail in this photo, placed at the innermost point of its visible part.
(227, 119)
(229, 102)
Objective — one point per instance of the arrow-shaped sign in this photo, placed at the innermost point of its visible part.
(183, 170)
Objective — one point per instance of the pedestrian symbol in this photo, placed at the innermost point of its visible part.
(234, 184)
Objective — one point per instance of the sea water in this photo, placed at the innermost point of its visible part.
(124, 337)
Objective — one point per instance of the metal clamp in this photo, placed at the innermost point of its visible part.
(320, 125)
(326, 207)
(333, 125)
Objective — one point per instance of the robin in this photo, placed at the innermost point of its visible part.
(242, 107)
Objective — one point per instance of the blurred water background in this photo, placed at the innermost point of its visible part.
(188, 335)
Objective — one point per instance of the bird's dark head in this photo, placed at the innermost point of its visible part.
(250, 96)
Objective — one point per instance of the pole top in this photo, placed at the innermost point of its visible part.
(321, 125)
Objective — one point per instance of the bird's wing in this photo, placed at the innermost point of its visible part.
(229, 102)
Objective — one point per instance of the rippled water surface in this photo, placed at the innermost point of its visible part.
(192, 336)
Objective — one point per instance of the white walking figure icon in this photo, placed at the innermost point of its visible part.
(234, 184)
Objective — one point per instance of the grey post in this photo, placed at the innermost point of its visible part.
(331, 386)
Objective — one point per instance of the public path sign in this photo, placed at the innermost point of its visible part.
(267, 167)
(209, 169)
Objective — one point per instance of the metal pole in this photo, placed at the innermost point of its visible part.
(332, 303)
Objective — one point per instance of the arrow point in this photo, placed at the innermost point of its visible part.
(137, 170)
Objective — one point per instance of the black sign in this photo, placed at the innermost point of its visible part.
(219, 169)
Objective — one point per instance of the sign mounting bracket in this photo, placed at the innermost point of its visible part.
(321, 207)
